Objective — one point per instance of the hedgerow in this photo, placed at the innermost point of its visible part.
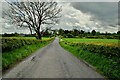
(9, 44)
(14, 50)
(106, 59)
(107, 51)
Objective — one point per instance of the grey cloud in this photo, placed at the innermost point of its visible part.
(85, 15)
(105, 12)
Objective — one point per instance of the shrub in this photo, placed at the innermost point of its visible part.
(108, 51)
(9, 44)
(69, 35)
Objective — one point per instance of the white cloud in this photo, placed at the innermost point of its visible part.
(70, 17)
(75, 17)
(8, 28)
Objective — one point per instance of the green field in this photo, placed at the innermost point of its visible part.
(43, 38)
(91, 40)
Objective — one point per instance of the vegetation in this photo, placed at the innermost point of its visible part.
(15, 50)
(13, 43)
(107, 42)
(76, 33)
(82, 40)
(43, 38)
(104, 58)
(46, 33)
(10, 35)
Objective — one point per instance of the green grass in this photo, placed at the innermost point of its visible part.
(10, 58)
(108, 67)
(43, 38)
(82, 40)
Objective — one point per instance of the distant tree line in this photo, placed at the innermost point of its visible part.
(45, 33)
(10, 35)
(75, 33)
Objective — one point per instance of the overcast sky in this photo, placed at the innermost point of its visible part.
(100, 16)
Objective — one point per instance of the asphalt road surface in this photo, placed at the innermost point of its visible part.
(52, 61)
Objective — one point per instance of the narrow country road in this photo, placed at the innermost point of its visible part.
(52, 61)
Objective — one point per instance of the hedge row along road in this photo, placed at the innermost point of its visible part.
(14, 50)
(105, 58)
(52, 61)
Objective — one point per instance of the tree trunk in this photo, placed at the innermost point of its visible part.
(39, 35)
(31, 31)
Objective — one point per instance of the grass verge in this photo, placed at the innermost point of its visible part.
(10, 58)
(83, 40)
(108, 67)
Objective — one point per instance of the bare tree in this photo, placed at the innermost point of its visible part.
(34, 14)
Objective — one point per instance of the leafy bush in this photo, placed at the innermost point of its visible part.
(108, 51)
(60, 36)
(69, 35)
(9, 44)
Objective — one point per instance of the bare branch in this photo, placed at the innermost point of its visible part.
(33, 14)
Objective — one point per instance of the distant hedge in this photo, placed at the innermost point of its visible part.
(103, 37)
(9, 44)
(107, 51)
